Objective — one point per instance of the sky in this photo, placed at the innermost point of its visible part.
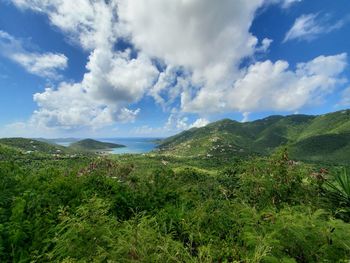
(153, 68)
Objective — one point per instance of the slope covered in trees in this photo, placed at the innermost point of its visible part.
(90, 145)
(322, 138)
(33, 146)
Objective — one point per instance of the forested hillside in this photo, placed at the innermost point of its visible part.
(91, 145)
(323, 138)
(33, 146)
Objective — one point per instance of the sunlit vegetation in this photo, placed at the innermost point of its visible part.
(91, 145)
(324, 138)
(162, 208)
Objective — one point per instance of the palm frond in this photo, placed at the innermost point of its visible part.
(339, 189)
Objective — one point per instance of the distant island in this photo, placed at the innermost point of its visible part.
(93, 145)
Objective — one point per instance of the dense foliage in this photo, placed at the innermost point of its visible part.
(154, 208)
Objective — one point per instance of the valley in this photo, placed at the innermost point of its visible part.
(262, 191)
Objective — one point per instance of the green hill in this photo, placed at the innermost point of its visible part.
(311, 138)
(332, 123)
(331, 148)
(93, 145)
(33, 146)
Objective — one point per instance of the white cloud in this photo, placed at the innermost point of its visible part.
(330, 66)
(245, 116)
(45, 65)
(177, 121)
(97, 101)
(201, 122)
(208, 48)
(265, 45)
(205, 38)
(169, 86)
(113, 79)
(288, 3)
(41, 64)
(199, 43)
(112, 82)
(272, 86)
(284, 3)
(89, 23)
(310, 26)
(345, 98)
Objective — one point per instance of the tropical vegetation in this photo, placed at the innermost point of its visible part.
(62, 205)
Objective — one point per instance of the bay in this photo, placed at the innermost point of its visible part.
(133, 145)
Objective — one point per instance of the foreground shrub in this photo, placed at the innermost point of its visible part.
(274, 182)
(338, 193)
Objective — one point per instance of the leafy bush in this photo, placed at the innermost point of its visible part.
(338, 192)
(273, 182)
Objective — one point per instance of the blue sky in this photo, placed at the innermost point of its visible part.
(153, 68)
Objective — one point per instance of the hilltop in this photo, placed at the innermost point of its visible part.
(323, 138)
(25, 145)
(45, 146)
(91, 145)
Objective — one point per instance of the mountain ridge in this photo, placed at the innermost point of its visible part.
(302, 134)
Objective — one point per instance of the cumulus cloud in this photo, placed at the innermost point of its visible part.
(205, 38)
(185, 54)
(272, 86)
(90, 24)
(201, 122)
(171, 82)
(178, 122)
(114, 79)
(41, 64)
(345, 98)
(207, 48)
(101, 98)
(310, 26)
(265, 45)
